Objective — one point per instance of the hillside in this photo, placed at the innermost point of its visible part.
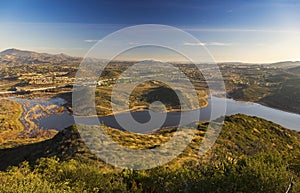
(274, 85)
(250, 155)
(284, 64)
(15, 57)
(65, 145)
(241, 135)
(295, 70)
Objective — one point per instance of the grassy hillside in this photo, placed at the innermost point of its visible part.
(275, 87)
(241, 135)
(250, 155)
(140, 98)
(10, 113)
(286, 97)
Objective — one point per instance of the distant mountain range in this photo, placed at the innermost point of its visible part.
(14, 57)
(285, 64)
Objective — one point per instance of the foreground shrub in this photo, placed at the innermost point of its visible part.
(263, 172)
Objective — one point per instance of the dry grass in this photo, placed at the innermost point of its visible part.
(10, 113)
(142, 96)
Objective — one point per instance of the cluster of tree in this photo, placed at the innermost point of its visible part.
(263, 172)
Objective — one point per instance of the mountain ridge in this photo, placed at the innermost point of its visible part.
(14, 53)
(13, 57)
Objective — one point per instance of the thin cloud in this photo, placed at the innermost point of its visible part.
(194, 44)
(91, 41)
(133, 43)
(241, 30)
(218, 44)
(206, 44)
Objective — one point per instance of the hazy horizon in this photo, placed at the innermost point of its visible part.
(155, 59)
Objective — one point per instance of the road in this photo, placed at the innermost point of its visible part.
(31, 90)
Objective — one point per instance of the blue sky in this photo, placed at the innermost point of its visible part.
(233, 30)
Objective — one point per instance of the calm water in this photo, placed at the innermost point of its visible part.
(65, 119)
(30, 104)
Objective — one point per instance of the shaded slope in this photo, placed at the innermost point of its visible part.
(66, 144)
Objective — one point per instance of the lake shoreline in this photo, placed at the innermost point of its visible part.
(284, 118)
(288, 110)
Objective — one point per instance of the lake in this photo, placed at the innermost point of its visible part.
(65, 119)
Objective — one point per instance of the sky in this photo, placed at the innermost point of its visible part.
(256, 31)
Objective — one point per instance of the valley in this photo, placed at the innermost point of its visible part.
(38, 136)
